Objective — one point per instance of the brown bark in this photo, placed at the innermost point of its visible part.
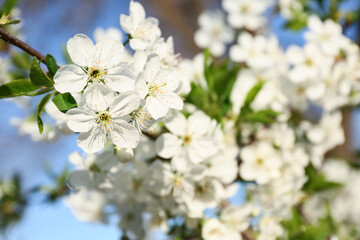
(6, 36)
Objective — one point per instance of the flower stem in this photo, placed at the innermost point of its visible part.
(128, 40)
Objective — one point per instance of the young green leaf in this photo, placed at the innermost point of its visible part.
(208, 69)
(7, 6)
(5, 20)
(17, 88)
(317, 181)
(64, 102)
(40, 109)
(37, 76)
(250, 97)
(51, 64)
(266, 116)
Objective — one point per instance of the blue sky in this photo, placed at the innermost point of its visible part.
(18, 153)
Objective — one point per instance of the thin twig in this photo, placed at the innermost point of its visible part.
(6, 36)
(247, 235)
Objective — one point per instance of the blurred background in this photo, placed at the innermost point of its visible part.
(47, 25)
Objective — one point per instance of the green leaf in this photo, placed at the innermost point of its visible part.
(266, 116)
(40, 91)
(40, 109)
(208, 69)
(51, 64)
(64, 102)
(7, 6)
(298, 22)
(224, 79)
(37, 76)
(317, 181)
(220, 79)
(250, 97)
(5, 20)
(297, 228)
(16, 88)
(294, 224)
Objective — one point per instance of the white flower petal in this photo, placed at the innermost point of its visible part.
(70, 78)
(108, 53)
(80, 119)
(125, 103)
(126, 23)
(81, 49)
(171, 100)
(176, 123)
(98, 97)
(168, 145)
(79, 179)
(156, 108)
(152, 68)
(93, 140)
(199, 123)
(200, 149)
(167, 79)
(120, 79)
(139, 44)
(140, 85)
(140, 59)
(124, 135)
(137, 13)
(76, 159)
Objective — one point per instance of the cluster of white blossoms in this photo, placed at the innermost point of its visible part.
(315, 81)
(119, 97)
(325, 70)
(186, 176)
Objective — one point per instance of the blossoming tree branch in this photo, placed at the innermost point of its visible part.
(236, 143)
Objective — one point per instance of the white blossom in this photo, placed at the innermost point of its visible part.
(213, 32)
(100, 63)
(143, 31)
(102, 116)
(157, 87)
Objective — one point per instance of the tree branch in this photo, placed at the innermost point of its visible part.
(6, 36)
(247, 235)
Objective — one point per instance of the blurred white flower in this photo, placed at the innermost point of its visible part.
(86, 205)
(190, 138)
(213, 33)
(143, 31)
(102, 116)
(111, 32)
(261, 163)
(246, 13)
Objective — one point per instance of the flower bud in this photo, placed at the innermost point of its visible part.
(125, 155)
